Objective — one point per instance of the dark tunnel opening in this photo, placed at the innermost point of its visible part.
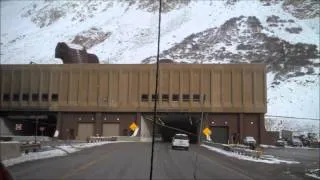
(29, 125)
(179, 124)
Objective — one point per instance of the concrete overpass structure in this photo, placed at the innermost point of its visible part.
(88, 99)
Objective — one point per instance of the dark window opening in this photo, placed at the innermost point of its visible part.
(186, 97)
(54, 97)
(25, 97)
(16, 97)
(6, 97)
(165, 97)
(144, 97)
(45, 97)
(35, 97)
(175, 97)
(196, 97)
(154, 97)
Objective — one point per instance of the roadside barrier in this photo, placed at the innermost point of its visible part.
(238, 148)
(27, 147)
(9, 150)
(93, 139)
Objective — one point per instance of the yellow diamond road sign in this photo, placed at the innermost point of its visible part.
(207, 132)
(133, 126)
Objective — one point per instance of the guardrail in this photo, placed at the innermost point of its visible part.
(100, 139)
(248, 152)
(238, 148)
(26, 147)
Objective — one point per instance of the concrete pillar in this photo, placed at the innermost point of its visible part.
(145, 129)
(138, 122)
(240, 126)
(262, 130)
(98, 124)
(59, 125)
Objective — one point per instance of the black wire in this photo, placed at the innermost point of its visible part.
(290, 117)
(156, 93)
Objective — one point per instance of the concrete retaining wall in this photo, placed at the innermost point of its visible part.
(5, 127)
(127, 138)
(9, 150)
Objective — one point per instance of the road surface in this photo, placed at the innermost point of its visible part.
(309, 157)
(132, 161)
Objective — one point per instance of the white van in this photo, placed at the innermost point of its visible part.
(180, 141)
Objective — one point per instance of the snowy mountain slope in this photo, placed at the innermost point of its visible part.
(126, 31)
(295, 97)
(133, 30)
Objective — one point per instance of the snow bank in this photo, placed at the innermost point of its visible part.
(268, 146)
(268, 160)
(314, 173)
(9, 142)
(307, 148)
(34, 156)
(62, 150)
(290, 147)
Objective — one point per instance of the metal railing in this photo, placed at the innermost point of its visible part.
(27, 147)
(100, 139)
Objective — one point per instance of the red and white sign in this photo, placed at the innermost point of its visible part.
(18, 127)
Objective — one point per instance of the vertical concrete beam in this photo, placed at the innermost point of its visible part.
(129, 101)
(170, 87)
(89, 86)
(190, 88)
(98, 97)
(59, 88)
(11, 87)
(160, 85)
(69, 88)
(138, 122)
(140, 83)
(59, 125)
(40, 86)
(50, 87)
(98, 123)
(180, 87)
(151, 90)
(261, 129)
(240, 125)
(20, 87)
(110, 91)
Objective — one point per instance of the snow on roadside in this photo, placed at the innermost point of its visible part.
(62, 150)
(33, 156)
(312, 175)
(307, 148)
(315, 173)
(270, 160)
(290, 147)
(268, 146)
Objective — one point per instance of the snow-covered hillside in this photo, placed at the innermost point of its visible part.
(226, 31)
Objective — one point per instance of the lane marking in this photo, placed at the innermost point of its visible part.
(87, 165)
(223, 165)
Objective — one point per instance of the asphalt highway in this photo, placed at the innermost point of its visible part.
(131, 160)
